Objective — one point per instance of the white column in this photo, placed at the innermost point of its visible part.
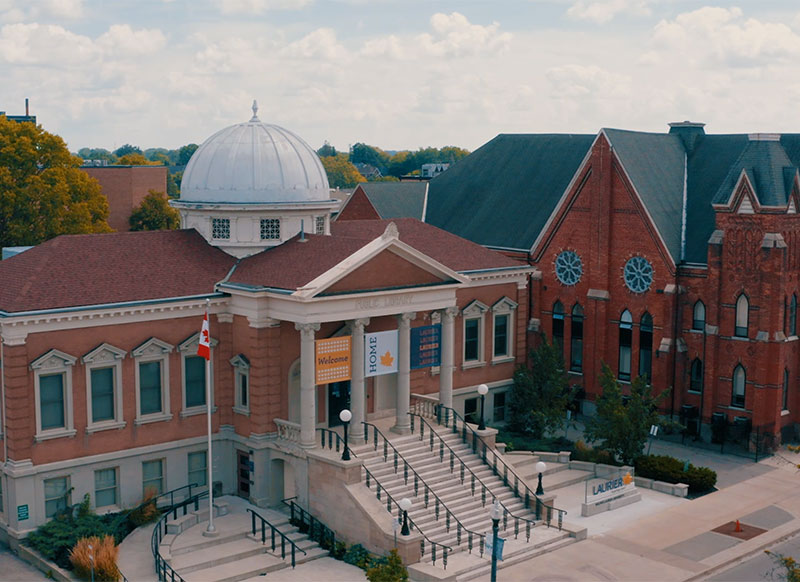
(448, 347)
(357, 385)
(403, 422)
(308, 388)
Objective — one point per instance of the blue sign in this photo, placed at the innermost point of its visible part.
(426, 346)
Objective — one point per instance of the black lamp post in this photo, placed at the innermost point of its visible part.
(495, 513)
(540, 468)
(483, 389)
(405, 505)
(345, 416)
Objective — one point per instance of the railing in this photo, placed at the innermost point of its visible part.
(310, 525)
(427, 491)
(163, 570)
(444, 549)
(332, 439)
(449, 418)
(289, 431)
(274, 530)
(463, 470)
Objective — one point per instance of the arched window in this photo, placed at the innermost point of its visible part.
(739, 381)
(699, 316)
(646, 346)
(793, 315)
(785, 395)
(558, 326)
(625, 337)
(696, 376)
(742, 316)
(576, 339)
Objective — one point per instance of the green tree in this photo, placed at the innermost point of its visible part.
(362, 153)
(155, 213)
(174, 184)
(126, 149)
(136, 160)
(392, 570)
(186, 152)
(623, 423)
(341, 173)
(540, 394)
(97, 154)
(326, 150)
(44, 191)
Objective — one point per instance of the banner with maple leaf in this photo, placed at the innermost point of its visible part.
(380, 353)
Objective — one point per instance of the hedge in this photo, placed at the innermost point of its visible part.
(670, 469)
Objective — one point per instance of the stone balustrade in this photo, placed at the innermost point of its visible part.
(289, 431)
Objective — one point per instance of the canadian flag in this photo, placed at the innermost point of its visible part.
(204, 346)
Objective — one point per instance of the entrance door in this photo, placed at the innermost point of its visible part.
(243, 474)
(338, 400)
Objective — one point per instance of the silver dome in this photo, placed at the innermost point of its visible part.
(254, 163)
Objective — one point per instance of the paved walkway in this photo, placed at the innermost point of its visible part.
(14, 569)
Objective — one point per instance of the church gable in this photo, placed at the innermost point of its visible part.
(358, 207)
(386, 270)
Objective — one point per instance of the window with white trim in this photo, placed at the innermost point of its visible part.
(473, 333)
(53, 395)
(220, 228)
(106, 488)
(739, 387)
(503, 328)
(625, 342)
(152, 381)
(198, 468)
(193, 376)
(56, 495)
(153, 477)
(699, 316)
(104, 387)
(742, 316)
(270, 229)
(241, 382)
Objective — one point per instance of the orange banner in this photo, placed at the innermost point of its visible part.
(333, 359)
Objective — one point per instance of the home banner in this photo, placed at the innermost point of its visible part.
(332, 359)
(380, 353)
(426, 346)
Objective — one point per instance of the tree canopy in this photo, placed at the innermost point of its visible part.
(155, 213)
(341, 173)
(127, 149)
(136, 160)
(44, 191)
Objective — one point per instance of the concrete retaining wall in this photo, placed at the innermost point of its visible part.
(676, 489)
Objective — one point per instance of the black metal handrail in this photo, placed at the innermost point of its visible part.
(427, 491)
(316, 530)
(274, 530)
(463, 470)
(449, 418)
(390, 501)
(163, 570)
(333, 440)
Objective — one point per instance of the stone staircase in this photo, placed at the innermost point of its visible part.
(469, 509)
(234, 554)
(556, 476)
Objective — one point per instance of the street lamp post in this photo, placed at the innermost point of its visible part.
(345, 416)
(405, 505)
(495, 513)
(483, 389)
(540, 468)
(91, 559)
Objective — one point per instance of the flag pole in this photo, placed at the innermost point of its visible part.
(204, 335)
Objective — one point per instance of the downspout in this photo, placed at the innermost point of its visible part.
(676, 322)
(5, 427)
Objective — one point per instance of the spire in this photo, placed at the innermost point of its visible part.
(255, 111)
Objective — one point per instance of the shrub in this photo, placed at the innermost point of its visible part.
(357, 555)
(339, 550)
(147, 511)
(670, 469)
(105, 558)
(583, 452)
(389, 570)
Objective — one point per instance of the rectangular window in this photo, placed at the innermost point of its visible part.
(471, 410)
(153, 476)
(270, 229)
(625, 354)
(102, 394)
(105, 487)
(198, 468)
(150, 387)
(51, 401)
(195, 369)
(576, 344)
(785, 395)
(500, 335)
(319, 225)
(56, 495)
(243, 400)
(220, 228)
(471, 339)
(499, 409)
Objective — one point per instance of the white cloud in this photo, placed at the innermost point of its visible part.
(122, 40)
(602, 11)
(578, 81)
(454, 35)
(714, 36)
(384, 47)
(11, 11)
(44, 45)
(319, 44)
(62, 8)
(261, 6)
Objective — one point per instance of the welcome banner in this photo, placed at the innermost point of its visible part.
(380, 353)
(332, 359)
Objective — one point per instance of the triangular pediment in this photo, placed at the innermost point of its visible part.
(52, 360)
(104, 353)
(152, 347)
(384, 263)
(190, 343)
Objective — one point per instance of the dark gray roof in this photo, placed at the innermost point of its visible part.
(502, 194)
(397, 199)
(767, 166)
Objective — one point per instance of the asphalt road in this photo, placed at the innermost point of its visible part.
(762, 566)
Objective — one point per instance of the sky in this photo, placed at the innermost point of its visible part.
(398, 74)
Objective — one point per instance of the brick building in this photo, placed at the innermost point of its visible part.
(103, 391)
(125, 187)
(669, 255)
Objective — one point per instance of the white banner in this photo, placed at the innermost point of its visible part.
(380, 353)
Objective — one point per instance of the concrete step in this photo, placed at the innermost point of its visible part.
(222, 553)
(564, 479)
(243, 569)
(208, 543)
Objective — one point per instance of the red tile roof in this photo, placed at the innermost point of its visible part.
(94, 269)
(294, 263)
